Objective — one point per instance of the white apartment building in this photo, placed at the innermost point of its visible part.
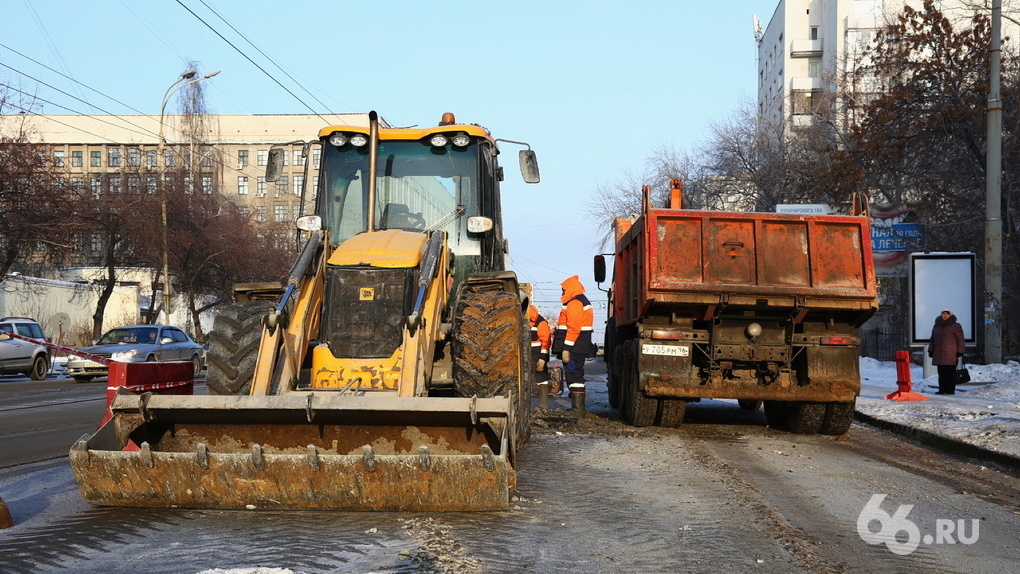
(808, 44)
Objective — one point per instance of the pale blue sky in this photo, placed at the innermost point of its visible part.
(594, 86)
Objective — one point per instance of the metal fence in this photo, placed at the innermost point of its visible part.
(882, 345)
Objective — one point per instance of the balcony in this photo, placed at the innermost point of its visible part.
(805, 48)
(805, 84)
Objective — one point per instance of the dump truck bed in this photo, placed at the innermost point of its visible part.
(700, 260)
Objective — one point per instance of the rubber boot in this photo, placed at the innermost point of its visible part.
(577, 404)
(543, 395)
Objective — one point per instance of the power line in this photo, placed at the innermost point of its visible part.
(270, 76)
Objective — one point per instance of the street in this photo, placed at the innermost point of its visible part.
(722, 492)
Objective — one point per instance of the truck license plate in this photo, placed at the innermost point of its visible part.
(668, 350)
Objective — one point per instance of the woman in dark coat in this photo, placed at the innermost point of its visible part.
(945, 349)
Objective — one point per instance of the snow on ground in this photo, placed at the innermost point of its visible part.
(984, 412)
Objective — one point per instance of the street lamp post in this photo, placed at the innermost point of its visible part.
(187, 78)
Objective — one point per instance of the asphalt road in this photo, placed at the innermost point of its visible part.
(721, 493)
(40, 420)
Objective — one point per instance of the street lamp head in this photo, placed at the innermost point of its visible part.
(210, 74)
(188, 75)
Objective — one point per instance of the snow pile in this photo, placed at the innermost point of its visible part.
(984, 412)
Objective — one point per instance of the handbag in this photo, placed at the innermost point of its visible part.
(962, 374)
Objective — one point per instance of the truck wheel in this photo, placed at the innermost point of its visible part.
(641, 410)
(806, 418)
(671, 412)
(234, 347)
(491, 352)
(838, 417)
(749, 404)
(40, 366)
(613, 377)
(775, 414)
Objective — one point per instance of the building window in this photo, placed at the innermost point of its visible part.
(279, 213)
(814, 32)
(96, 184)
(96, 159)
(76, 159)
(299, 181)
(280, 240)
(150, 184)
(244, 211)
(298, 158)
(316, 157)
(169, 158)
(260, 213)
(263, 157)
(77, 185)
(281, 186)
(151, 158)
(207, 158)
(242, 185)
(242, 158)
(95, 243)
(113, 157)
(115, 185)
(295, 212)
(207, 187)
(58, 158)
(260, 186)
(134, 185)
(134, 157)
(188, 188)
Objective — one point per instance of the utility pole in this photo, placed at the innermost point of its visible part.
(993, 198)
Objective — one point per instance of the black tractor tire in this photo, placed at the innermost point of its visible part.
(671, 412)
(40, 368)
(492, 353)
(749, 404)
(234, 347)
(805, 418)
(838, 418)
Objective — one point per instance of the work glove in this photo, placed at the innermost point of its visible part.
(566, 356)
(540, 365)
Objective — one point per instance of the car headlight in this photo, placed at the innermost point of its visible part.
(125, 355)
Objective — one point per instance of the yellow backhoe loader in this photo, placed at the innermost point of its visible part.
(389, 373)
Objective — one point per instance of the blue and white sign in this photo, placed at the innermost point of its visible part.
(899, 237)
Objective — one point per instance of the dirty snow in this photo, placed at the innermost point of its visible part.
(984, 412)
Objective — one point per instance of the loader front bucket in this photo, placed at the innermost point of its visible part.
(300, 452)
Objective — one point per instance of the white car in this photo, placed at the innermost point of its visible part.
(18, 356)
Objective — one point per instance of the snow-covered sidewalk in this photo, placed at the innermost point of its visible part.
(984, 413)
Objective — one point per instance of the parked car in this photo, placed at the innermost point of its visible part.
(136, 344)
(18, 356)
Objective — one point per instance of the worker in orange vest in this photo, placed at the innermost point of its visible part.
(572, 342)
(541, 339)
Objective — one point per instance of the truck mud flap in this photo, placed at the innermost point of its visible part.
(300, 452)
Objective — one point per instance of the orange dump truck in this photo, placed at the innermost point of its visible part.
(758, 307)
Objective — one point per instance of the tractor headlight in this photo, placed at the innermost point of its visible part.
(337, 139)
(358, 140)
(461, 140)
(754, 330)
(439, 140)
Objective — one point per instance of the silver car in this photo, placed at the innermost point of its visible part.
(19, 356)
(136, 344)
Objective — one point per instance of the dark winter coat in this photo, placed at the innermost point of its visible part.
(946, 341)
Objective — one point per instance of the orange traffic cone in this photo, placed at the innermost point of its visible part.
(904, 390)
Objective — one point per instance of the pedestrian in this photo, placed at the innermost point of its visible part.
(946, 348)
(572, 342)
(541, 340)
